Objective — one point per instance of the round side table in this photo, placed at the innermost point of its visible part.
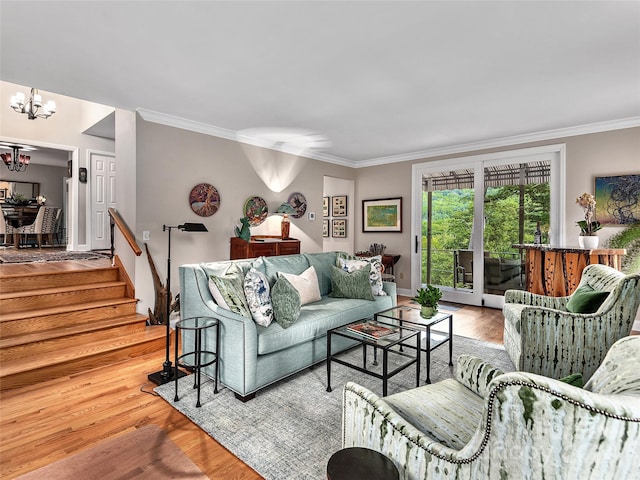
(357, 463)
(198, 357)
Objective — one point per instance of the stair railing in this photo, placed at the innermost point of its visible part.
(116, 220)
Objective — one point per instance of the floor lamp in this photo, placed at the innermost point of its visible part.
(167, 373)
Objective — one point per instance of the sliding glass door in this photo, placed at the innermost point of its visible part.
(468, 216)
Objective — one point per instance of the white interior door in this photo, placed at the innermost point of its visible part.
(103, 197)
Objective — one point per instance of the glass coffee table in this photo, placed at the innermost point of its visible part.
(364, 332)
(404, 314)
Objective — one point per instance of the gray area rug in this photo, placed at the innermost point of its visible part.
(292, 427)
(39, 255)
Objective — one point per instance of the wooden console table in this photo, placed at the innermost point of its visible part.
(263, 245)
(556, 271)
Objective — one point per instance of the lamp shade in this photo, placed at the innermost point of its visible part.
(193, 227)
(285, 209)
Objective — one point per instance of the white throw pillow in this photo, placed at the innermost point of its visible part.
(306, 284)
(256, 289)
(374, 263)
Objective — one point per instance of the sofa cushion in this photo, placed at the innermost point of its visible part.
(270, 266)
(257, 292)
(586, 300)
(351, 285)
(315, 319)
(322, 262)
(459, 411)
(350, 263)
(286, 302)
(228, 291)
(306, 284)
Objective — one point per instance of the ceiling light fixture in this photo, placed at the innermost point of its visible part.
(32, 107)
(17, 162)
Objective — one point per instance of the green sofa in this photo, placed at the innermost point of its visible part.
(487, 425)
(253, 356)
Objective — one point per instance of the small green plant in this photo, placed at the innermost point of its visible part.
(428, 297)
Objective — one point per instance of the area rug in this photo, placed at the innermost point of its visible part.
(39, 255)
(146, 453)
(290, 429)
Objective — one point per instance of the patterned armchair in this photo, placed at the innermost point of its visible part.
(542, 337)
(518, 425)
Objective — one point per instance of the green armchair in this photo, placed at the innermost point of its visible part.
(487, 425)
(541, 336)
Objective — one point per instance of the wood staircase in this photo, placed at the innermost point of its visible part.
(56, 321)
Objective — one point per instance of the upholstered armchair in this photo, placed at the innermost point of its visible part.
(486, 425)
(542, 335)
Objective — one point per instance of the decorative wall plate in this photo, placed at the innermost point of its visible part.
(299, 204)
(204, 199)
(256, 210)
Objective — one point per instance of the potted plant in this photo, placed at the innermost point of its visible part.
(428, 299)
(589, 226)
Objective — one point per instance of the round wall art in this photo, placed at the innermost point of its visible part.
(256, 210)
(204, 199)
(299, 204)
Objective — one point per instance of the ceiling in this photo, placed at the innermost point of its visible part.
(380, 80)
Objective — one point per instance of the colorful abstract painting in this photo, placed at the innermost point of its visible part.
(382, 215)
(618, 199)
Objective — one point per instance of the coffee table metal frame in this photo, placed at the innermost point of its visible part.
(399, 338)
(406, 314)
(197, 325)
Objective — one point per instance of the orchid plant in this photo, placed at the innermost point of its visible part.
(589, 226)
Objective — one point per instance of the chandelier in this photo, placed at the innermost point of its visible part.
(17, 162)
(33, 105)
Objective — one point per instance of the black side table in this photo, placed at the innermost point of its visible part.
(197, 325)
(357, 463)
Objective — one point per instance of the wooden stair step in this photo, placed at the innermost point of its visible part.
(53, 340)
(21, 283)
(80, 358)
(25, 322)
(51, 297)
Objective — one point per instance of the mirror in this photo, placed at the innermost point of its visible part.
(28, 189)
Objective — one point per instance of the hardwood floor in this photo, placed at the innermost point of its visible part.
(46, 422)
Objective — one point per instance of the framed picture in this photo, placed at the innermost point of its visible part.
(339, 206)
(325, 206)
(3, 193)
(82, 175)
(339, 228)
(325, 228)
(618, 199)
(382, 215)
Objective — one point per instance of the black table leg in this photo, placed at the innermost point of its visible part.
(428, 349)
(175, 365)
(418, 352)
(451, 340)
(215, 388)
(328, 361)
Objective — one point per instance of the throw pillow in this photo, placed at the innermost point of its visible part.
(574, 379)
(286, 303)
(351, 285)
(228, 291)
(586, 300)
(256, 289)
(350, 264)
(306, 284)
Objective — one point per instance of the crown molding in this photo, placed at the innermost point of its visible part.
(198, 127)
(505, 141)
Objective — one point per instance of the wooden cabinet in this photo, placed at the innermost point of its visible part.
(556, 271)
(263, 246)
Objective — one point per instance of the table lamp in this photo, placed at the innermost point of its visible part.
(285, 210)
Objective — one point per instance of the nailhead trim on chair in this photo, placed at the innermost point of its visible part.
(492, 395)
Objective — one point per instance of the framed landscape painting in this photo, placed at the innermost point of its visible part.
(382, 215)
(618, 199)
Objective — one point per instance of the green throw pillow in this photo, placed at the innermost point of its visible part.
(574, 379)
(351, 285)
(586, 300)
(285, 300)
(228, 291)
